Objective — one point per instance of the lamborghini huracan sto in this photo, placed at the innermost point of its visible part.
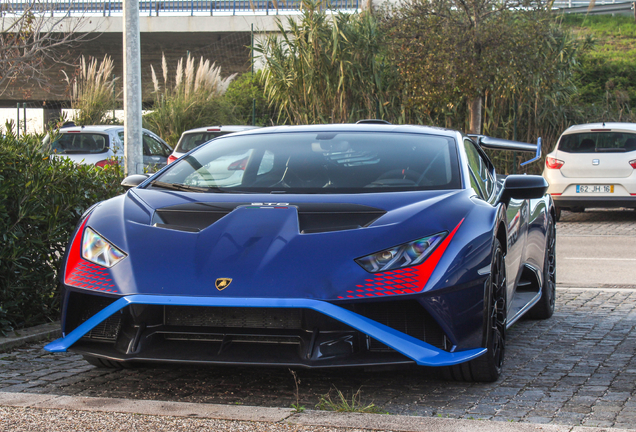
(364, 244)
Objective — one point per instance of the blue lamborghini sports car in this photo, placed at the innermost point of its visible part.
(315, 246)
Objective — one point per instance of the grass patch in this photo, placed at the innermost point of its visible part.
(342, 403)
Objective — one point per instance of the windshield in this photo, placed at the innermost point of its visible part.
(189, 141)
(325, 162)
(595, 142)
(80, 143)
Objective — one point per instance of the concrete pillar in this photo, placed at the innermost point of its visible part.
(133, 146)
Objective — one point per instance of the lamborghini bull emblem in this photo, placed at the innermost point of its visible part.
(222, 283)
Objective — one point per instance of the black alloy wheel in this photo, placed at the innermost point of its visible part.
(487, 367)
(545, 306)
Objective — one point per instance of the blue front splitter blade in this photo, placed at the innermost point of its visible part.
(422, 353)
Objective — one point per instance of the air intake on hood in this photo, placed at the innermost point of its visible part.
(312, 217)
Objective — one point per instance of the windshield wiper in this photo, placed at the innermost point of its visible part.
(181, 187)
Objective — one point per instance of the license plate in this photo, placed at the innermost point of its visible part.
(594, 188)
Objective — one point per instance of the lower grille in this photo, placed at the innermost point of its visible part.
(107, 330)
(406, 316)
(262, 318)
(83, 306)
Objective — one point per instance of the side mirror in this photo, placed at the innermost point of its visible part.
(134, 180)
(523, 187)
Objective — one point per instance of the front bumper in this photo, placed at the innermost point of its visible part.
(594, 201)
(412, 350)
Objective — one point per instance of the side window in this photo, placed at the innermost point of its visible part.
(153, 147)
(481, 178)
(267, 163)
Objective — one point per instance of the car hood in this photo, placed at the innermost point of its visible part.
(259, 244)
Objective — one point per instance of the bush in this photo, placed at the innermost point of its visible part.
(41, 200)
(242, 93)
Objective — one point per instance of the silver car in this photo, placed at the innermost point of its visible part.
(104, 145)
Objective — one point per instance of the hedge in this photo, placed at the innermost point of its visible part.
(41, 200)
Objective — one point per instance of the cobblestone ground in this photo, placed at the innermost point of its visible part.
(577, 368)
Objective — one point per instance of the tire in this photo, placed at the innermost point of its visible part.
(557, 211)
(487, 367)
(545, 307)
(577, 209)
(104, 363)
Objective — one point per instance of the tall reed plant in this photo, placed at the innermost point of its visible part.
(194, 98)
(92, 90)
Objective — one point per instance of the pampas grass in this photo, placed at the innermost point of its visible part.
(193, 99)
(91, 90)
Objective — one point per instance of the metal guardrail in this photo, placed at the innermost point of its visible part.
(166, 7)
(562, 4)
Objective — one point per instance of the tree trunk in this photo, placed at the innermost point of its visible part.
(474, 108)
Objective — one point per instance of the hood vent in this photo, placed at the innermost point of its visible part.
(312, 217)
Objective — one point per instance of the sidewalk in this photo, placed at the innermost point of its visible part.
(28, 411)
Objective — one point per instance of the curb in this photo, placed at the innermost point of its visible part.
(282, 416)
(29, 335)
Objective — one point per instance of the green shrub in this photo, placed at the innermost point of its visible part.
(242, 93)
(41, 200)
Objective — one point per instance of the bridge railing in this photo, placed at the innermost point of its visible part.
(562, 4)
(166, 7)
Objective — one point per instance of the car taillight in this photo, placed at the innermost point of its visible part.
(553, 163)
(103, 163)
(239, 165)
(172, 158)
(633, 163)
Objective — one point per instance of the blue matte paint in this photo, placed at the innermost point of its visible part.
(422, 353)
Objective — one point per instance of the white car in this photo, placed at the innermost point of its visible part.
(593, 165)
(193, 138)
(104, 145)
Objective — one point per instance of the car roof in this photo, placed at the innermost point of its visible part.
(588, 127)
(95, 128)
(222, 128)
(350, 127)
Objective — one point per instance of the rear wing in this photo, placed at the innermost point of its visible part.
(504, 144)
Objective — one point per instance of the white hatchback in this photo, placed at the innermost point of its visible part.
(193, 138)
(593, 165)
(104, 145)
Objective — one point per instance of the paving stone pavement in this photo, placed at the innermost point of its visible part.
(577, 368)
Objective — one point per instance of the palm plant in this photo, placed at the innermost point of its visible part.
(327, 68)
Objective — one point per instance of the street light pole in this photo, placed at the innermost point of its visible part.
(132, 89)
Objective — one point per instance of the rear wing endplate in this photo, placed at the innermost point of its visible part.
(504, 144)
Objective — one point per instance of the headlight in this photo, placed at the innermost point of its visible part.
(98, 250)
(405, 255)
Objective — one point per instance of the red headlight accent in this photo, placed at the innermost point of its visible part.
(172, 158)
(633, 163)
(406, 280)
(103, 163)
(553, 163)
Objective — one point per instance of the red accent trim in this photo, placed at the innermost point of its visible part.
(600, 130)
(557, 194)
(632, 194)
(171, 159)
(214, 130)
(75, 253)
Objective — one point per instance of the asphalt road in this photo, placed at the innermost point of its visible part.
(597, 248)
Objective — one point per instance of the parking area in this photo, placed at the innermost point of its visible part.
(577, 368)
